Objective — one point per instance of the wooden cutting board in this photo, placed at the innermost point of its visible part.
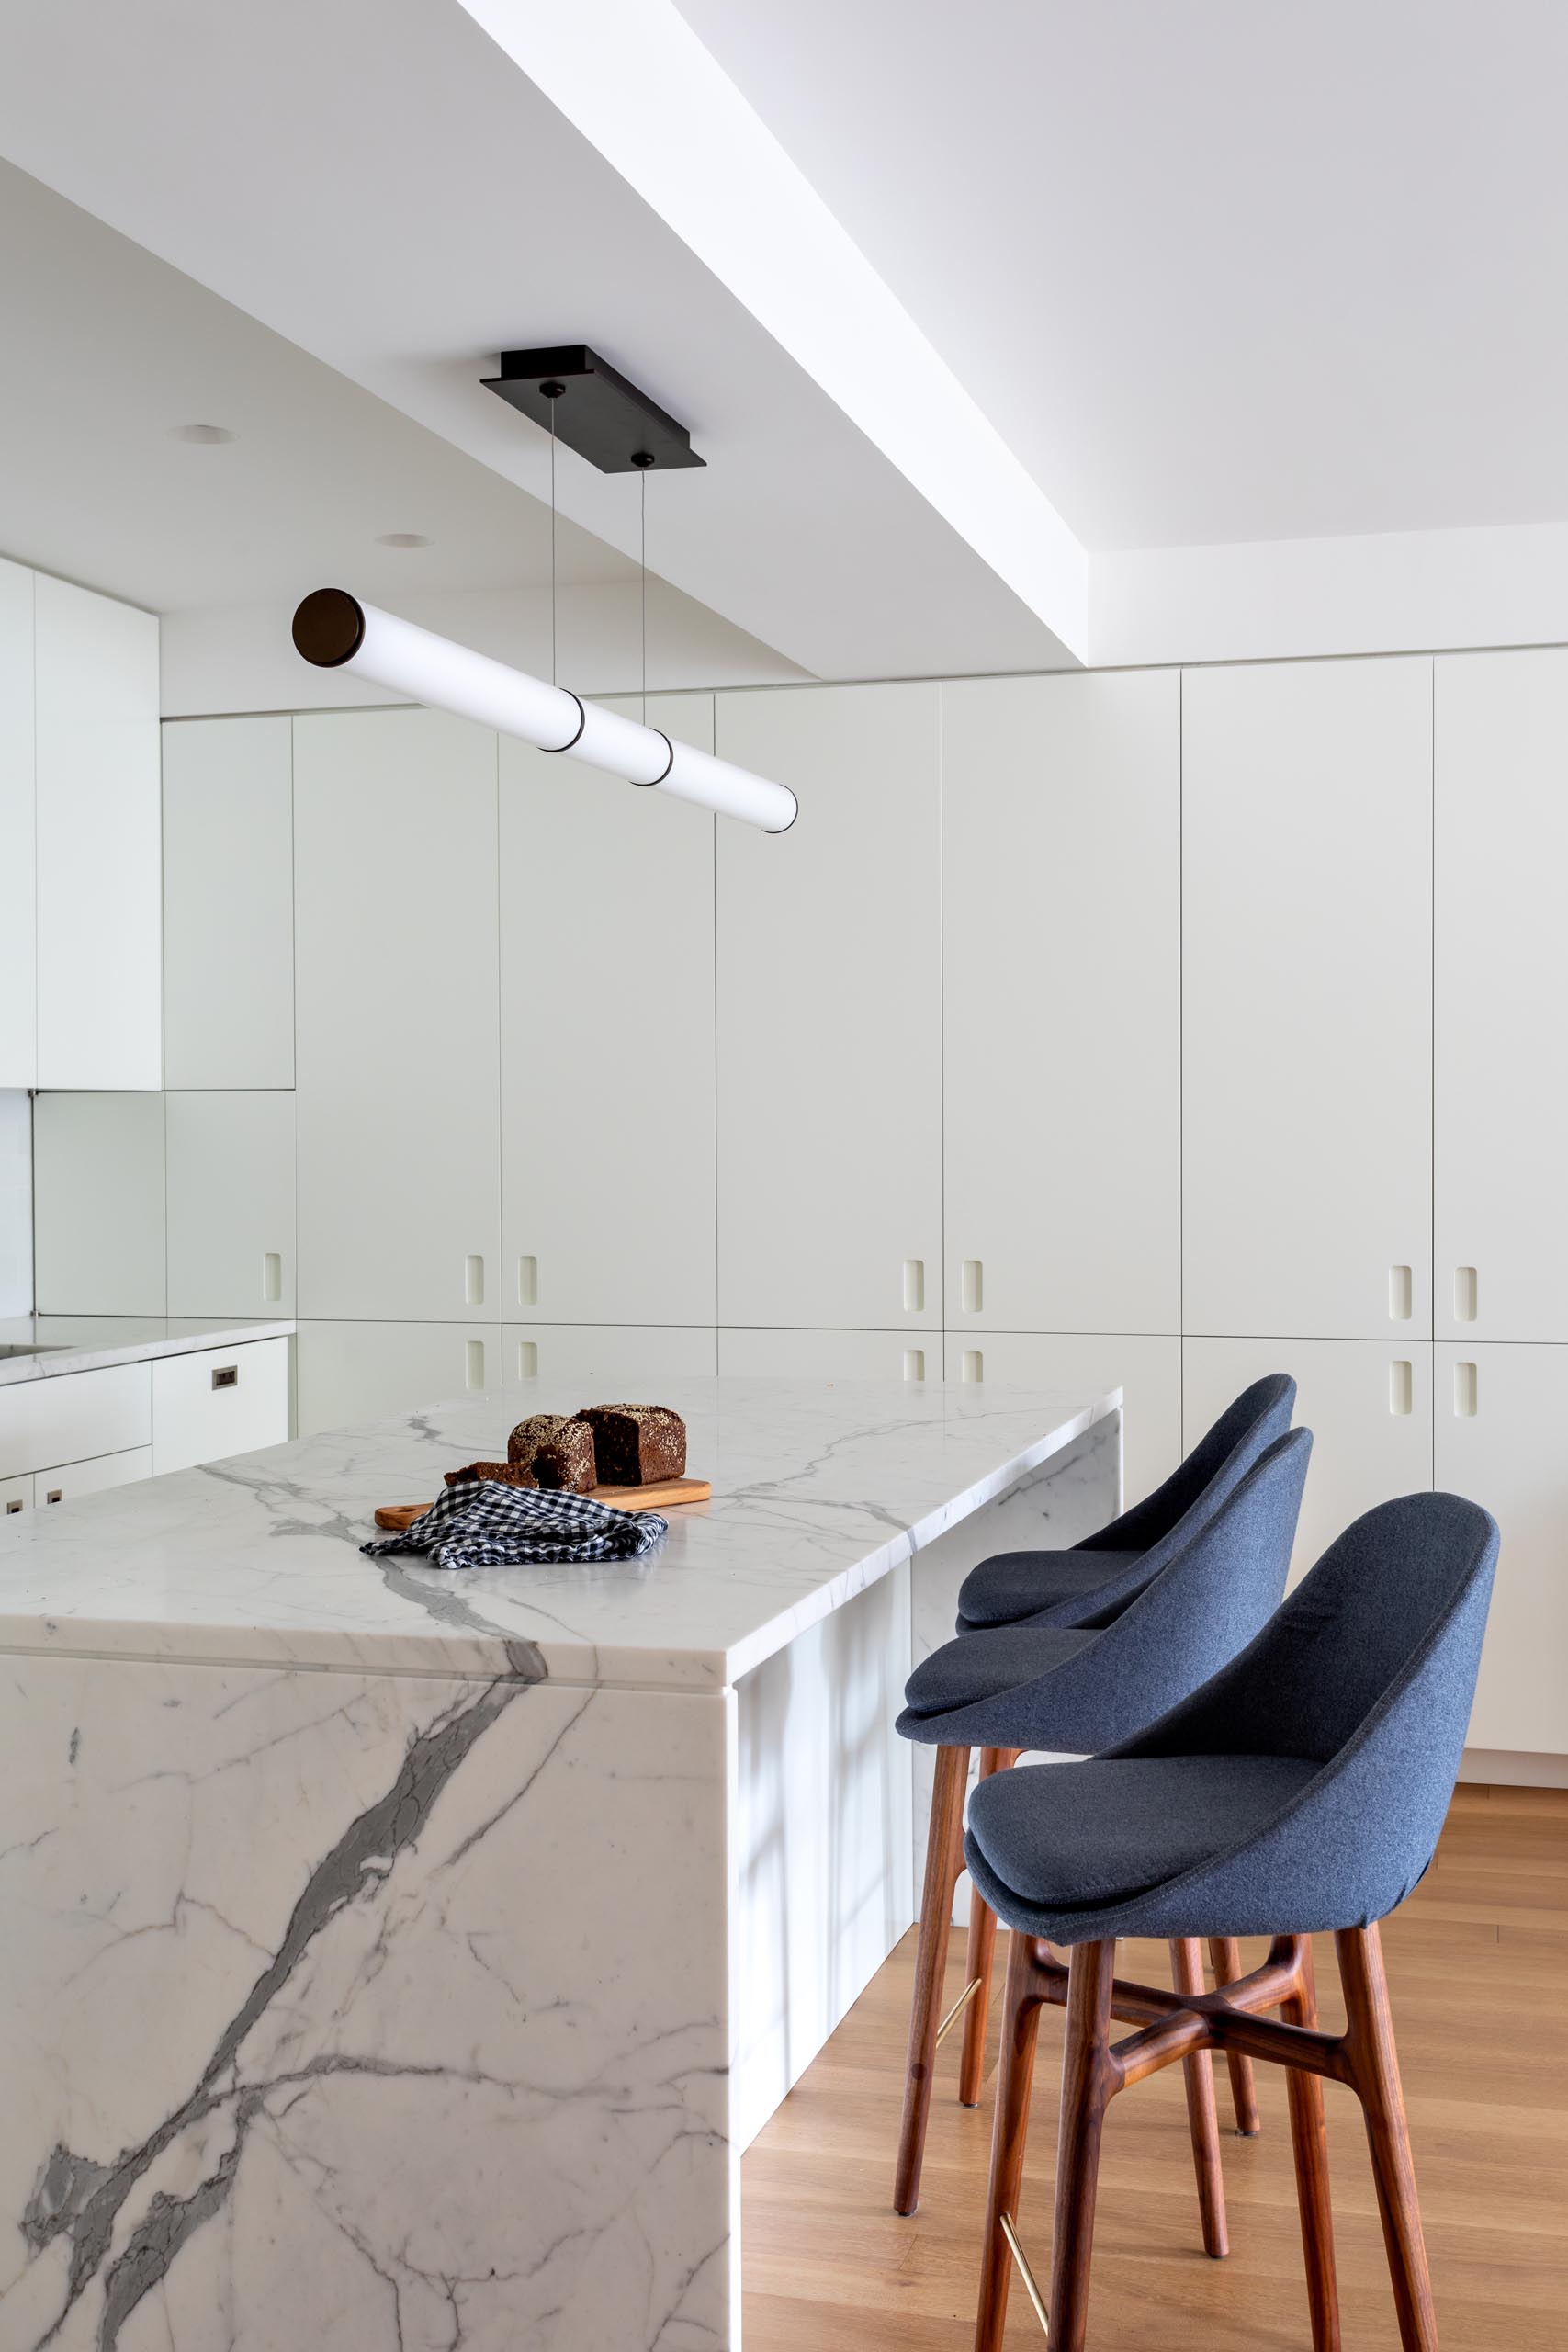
(666, 1495)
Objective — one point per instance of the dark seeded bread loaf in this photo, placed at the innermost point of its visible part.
(636, 1445)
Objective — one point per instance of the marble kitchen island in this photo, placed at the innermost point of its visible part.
(396, 1958)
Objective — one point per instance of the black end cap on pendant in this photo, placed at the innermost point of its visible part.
(329, 628)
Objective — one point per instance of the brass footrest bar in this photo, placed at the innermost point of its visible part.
(1020, 2261)
(951, 2020)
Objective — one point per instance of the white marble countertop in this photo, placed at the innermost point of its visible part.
(819, 1487)
(85, 1342)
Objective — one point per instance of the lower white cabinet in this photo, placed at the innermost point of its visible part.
(1501, 1412)
(219, 1401)
(1368, 1404)
(357, 1372)
(1147, 1370)
(73, 1479)
(231, 1198)
(79, 1415)
(832, 1355)
(606, 1351)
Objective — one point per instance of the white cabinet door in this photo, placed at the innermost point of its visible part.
(228, 902)
(19, 932)
(219, 1401)
(1501, 1413)
(1147, 1370)
(1501, 1245)
(606, 1040)
(99, 1203)
(99, 858)
(69, 1480)
(829, 1015)
(360, 1372)
(77, 1414)
(598, 1351)
(831, 1355)
(398, 1016)
(1368, 1404)
(1062, 977)
(1306, 1012)
(230, 1202)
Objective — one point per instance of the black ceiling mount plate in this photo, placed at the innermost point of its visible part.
(597, 413)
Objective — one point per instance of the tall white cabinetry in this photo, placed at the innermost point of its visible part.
(227, 903)
(1501, 1161)
(829, 1015)
(1062, 913)
(606, 1040)
(1306, 999)
(81, 998)
(18, 925)
(98, 840)
(397, 1015)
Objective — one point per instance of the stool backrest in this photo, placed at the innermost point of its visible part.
(1223, 1455)
(1368, 1670)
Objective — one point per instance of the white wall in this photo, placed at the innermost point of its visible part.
(16, 1203)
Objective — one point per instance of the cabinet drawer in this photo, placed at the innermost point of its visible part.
(74, 1479)
(17, 1455)
(16, 1497)
(79, 1415)
(220, 1401)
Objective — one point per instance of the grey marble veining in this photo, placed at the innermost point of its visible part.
(820, 1488)
(86, 1343)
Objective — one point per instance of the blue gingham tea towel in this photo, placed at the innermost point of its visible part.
(480, 1525)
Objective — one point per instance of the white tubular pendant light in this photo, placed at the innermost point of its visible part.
(335, 632)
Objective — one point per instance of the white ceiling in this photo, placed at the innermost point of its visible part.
(108, 351)
(1203, 277)
(375, 182)
(1217, 271)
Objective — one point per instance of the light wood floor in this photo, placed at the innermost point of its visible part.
(1478, 1966)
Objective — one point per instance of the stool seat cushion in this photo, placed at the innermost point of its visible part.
(1013, 1585)
(960, 1674)
(1056, 1838)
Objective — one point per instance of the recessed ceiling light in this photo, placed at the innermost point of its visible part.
(402, 539)
(204, 433)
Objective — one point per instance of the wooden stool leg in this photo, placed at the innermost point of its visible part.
(1021, 2026)
(944, 1861)
(1370, 2033)
(1224, 1958)
(1086, 2088)
(1186, 1975)
(1309, 2144)
(977, 1971)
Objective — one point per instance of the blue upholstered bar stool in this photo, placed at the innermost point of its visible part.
(1074, 1690)
(1081, 1586)
(1304, 1789)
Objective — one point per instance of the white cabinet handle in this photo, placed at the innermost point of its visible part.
(914, 1286)
(1467, 1294)
(1467, 1392)
(1400, 1294)
(473, 1363)
(972, 1365)
(272, 1276)
(914, 1364)
(1401, 1384)
(528, 1282)
(474, 1282)
(972, 1287)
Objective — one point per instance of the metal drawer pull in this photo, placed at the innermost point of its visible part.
(55, 1495)
(12, 1508)
(226, 1376)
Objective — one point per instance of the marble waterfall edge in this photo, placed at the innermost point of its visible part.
(316, 2031)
